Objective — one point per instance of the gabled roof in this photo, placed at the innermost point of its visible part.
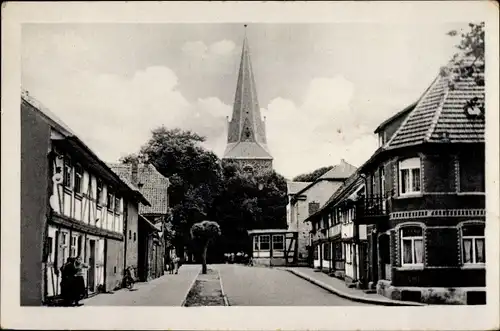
(395, 116)
(152, 184)
(350, 186)
(441, 111)
(246, 150)
(340, 171)
(294, 187)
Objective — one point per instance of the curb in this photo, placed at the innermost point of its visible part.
(224, 296)
(333, 290)
(183, 303)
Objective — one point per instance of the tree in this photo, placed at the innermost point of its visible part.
(204, 233)
(247, 201)
(469, 64)
(312, 176)
(194, 174)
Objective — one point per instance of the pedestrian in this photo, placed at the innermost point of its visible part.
(68, 272)
(79, 282)
(174, 263)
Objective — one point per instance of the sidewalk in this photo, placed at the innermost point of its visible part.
(168, 290)
(338, 287)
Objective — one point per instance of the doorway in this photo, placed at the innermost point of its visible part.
(91, 278)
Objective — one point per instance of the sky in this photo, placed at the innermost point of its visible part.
(322, 88)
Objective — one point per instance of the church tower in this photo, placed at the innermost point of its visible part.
(246, 136)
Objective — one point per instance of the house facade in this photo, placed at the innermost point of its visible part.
(149, 248)
(425, 199)
(72, 204)
(305, 199)
(338, 244)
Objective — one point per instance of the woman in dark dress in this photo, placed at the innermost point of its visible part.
(68, 272)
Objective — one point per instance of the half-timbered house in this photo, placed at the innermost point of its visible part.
(72, 204)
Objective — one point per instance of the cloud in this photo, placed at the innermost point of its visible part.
(320, 131)
(201, 50)
(114, 115)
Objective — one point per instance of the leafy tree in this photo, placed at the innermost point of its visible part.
(312, 176)
(469, 63)
(248, 201)
(204, 233)
(194, 174)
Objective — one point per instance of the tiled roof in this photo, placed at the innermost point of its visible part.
(152, 184)
(294, 187)
(340, 171)
(441, 110)
(348, 187)
(246, 150)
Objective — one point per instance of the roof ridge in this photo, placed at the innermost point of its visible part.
(438, 111)
(422, 97)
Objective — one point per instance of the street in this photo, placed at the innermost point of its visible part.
(243, 286)
(258, 286)
(168, 290)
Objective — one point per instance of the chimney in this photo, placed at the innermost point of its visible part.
(135, 166)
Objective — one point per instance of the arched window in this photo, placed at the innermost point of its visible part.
(412, 246)
(473, 251)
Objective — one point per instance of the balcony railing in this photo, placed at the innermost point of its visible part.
(372, 206)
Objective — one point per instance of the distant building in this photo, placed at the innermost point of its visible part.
(305, 199)
(72, 204)
(340, 245)
(246, 136)
(147, 254)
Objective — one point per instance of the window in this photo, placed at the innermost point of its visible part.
(68, 174)
(135, 238)
(110, 200)
(256, 243)
(382, 180)
(473, 244)
(99, 192)
(316, 252)
(78, 178)
(380, 139)
(412, 245)
(73, 248)
(278, 242)
(129, 234)
(409, 176)
(264, 243)
(117, 204)
(326, 251)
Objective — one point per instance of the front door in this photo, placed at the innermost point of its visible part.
(91, 278)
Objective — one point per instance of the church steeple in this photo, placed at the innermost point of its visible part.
(246, 136)
(246, 123)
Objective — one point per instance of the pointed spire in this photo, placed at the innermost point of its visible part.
(246, 122)
(246, 136)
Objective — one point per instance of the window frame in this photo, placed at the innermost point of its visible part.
(99, 192)
(78, 175)
(407, 164)
(473, 239)
(68, 171)
(412, 239)
(264, 242)
(282, 236)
